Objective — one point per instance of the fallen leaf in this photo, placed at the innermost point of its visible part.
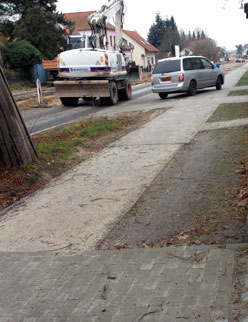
(201, 257)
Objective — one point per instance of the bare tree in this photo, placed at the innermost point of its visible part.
(205, 47)
(16, 146)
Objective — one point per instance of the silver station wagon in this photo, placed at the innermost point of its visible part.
(185, 74)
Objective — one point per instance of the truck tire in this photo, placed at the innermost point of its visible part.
(125, 94)
(113, 99)
(69, 101)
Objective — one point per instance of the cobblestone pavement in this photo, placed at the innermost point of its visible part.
(165, 284)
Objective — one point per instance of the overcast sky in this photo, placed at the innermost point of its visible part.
(228, 26)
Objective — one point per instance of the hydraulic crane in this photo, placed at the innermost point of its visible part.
(94, 71)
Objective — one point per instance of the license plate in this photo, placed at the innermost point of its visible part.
(166, 79)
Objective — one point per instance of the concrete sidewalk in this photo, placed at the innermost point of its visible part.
(77, 209)
(49, 270)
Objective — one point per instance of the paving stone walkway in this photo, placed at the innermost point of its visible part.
(166, 284)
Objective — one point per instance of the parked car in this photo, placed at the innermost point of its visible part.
(185, 74)
(240, 60)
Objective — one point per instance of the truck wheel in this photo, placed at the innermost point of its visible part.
(113, 99)
(69, 101)
(125, 94)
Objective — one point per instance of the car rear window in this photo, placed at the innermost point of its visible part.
(167, 66)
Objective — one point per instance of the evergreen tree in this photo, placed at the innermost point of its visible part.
(182, 39)
(156, 31)
(164, 35)
(189, 37)
(12, 8)
(171, 37)
(239, 49)
(35, 21)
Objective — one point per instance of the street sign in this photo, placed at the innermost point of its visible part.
(177, 51)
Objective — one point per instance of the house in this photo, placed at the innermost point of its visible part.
(186, 51)
(135, 47)
(82, 28)
(144, 54)
(245, 50)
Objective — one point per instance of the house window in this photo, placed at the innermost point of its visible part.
(111, 41)
(152, 60)
(131, 45)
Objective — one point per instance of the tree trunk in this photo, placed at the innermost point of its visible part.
(16, 146)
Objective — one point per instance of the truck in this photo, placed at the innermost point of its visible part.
(92, 71)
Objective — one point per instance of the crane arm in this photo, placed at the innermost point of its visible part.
(98, 22)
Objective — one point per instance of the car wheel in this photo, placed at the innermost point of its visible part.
(163, 95)
(218, 83)
(192, 88)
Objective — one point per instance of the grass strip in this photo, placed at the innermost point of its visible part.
(60, 145)
(229, 111)
(60, 150)
(238, 93)
(98, 128)
(243, 80)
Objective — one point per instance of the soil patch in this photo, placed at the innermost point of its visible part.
(239, 303)
(194, 200)
(31, 102)
(16, 183)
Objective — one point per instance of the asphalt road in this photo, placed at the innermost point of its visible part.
(41, 119)
(44, 118)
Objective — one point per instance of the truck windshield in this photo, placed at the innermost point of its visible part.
(76, 42)
(167, 66)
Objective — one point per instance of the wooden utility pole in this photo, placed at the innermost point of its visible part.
(16, 146)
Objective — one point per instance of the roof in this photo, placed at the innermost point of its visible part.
(141, 41)
(80, 20)
(181, 57)
(188, 48)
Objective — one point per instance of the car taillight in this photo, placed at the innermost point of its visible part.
(152, 80)
(181, 77)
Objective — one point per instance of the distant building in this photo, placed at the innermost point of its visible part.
(187, 51)
(144, 54)
(245, 50)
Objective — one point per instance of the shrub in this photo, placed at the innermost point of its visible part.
(21, 54)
